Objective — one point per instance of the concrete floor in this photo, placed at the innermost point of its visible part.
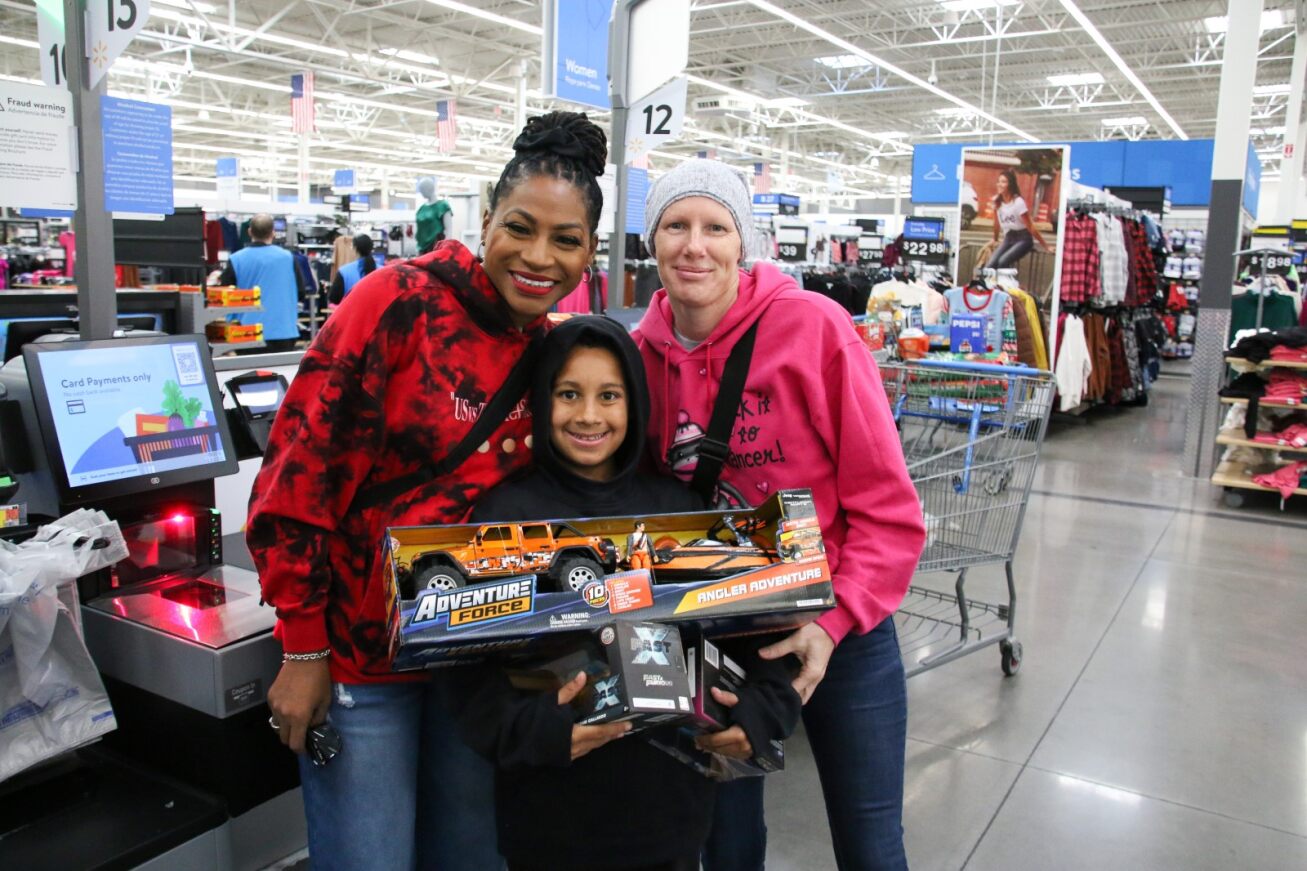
(1159, 720)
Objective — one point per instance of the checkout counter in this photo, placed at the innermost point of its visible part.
(192, 778)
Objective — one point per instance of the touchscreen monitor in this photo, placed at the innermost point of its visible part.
(124, 416)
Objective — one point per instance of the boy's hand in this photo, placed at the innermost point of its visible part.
(730, 742)
(588, 738)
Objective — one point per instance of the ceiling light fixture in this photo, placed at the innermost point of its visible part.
(196, 5)
(1273, 90)
(974, 5)
(1097, 36)
(532, 29)
(1131, 121)
(1272, 19)
(873, 60)
(416, 57)
(842, 61)
(25, 43)
(1075, 80)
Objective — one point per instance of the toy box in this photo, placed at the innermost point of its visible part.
(679, 743)
(232, 333)
(227, 296)
(636, 672)
(462, 593)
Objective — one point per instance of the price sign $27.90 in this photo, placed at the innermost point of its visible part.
(931, 251)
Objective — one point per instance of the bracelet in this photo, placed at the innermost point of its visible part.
(306, 657)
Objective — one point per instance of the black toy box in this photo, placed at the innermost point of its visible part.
(634, 672)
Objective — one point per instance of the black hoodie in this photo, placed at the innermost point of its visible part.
(627, 804)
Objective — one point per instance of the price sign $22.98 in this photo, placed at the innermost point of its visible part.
(930, 250)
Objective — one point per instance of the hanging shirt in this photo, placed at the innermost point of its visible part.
(1073, 364)
(1115, 265)
(996, 307)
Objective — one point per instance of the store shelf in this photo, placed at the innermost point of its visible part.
(221, 311)
(1237, 475)
(224, 347)
(1236, 438)
(1239, 364)
(1262, 403)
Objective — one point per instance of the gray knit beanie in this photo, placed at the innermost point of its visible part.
(701, 178)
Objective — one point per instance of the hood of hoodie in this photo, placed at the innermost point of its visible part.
(557, 346)
(759, 287)
(452, 263)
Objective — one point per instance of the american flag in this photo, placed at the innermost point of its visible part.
(447, 124)
(710, 154)
(301, 104)
(762, 178)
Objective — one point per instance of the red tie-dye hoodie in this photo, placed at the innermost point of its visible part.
(393, 382)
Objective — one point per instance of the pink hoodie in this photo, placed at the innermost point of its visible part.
(814, 414)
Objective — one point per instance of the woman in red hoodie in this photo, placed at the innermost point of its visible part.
(813, 414)
(390, 387)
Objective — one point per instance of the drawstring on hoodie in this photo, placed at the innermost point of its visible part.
(667, 392)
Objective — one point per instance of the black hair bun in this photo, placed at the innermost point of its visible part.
(567, 134)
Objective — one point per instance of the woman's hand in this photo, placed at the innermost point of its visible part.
(299, 698)
(730, 742)
(813, 647)
(588, 738)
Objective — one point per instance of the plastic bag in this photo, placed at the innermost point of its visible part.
(51, 696)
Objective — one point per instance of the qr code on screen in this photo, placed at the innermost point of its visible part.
(187, 358)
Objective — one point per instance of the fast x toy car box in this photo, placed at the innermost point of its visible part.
(635, 672)
(462, 593)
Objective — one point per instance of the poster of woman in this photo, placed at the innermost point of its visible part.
(1013, 197)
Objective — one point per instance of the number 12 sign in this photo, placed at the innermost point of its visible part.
(111, 26)
(656, 120)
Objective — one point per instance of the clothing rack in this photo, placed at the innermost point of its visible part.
(1261, 283)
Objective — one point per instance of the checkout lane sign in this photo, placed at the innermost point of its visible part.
(111, 25)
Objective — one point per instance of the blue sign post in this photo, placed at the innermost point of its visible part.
(343, 181)
(577, 51)
(637, 189)
(137, 156)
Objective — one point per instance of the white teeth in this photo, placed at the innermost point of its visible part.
(531, 283)
(587, 438)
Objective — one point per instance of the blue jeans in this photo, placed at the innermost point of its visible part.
(1015, 245)
(405, 792)
(857, 725)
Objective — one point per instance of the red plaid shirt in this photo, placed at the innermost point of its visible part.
(1081, 266)
(1142, 266)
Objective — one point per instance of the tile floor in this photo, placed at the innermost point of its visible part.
(1159, 720)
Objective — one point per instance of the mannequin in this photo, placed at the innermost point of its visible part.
(431, 216)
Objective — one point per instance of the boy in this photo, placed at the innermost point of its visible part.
(566, 798)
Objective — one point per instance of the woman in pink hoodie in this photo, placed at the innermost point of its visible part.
(813, 414)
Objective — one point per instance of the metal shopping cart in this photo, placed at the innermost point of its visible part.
(971, 435)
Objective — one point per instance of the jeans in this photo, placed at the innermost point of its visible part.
(857, 725)
(405, 792)
(1015, 245)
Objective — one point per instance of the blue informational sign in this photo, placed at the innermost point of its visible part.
(637, 190)
(137, 156)
(226, 167)
(44, 213)
(1183, 166)
(343, 180)
(967, 333)
(580, 39)
(927, 229)
(1252, 181)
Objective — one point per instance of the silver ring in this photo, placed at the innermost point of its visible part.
(273, 724)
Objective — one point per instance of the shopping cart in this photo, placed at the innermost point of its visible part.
(971, 435)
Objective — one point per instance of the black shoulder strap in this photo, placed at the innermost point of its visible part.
(715, 447)
(494, 413)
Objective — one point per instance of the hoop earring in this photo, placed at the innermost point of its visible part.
(481, 250)
(586, 275)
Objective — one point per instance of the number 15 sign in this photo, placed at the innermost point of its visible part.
(656, 120)
(111, 26)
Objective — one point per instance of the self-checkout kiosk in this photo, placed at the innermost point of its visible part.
(136, 427)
